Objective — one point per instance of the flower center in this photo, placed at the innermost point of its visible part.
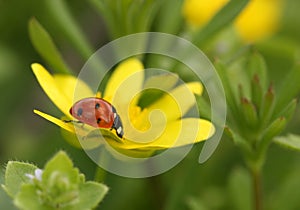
(139, 118)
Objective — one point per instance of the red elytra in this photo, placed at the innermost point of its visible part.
(98, 113)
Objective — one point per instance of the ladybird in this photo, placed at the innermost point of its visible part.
(98, 113)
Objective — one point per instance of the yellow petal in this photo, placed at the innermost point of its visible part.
(192, 130)
(73, 88)
(53, 91)
(125, 82)
(195, 87)
(184, 132)
(81, 139)
(67, 126)
(177, 133)
(176, 103)
(164, 81)
(145, 127)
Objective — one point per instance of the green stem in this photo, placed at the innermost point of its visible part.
(100, 173)
(257, 186)
(158, 196)
(255, 162)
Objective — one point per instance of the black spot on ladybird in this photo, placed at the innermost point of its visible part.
(79, 112)
(98, 120)
(97, 106)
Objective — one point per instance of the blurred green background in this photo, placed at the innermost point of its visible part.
(212, 185)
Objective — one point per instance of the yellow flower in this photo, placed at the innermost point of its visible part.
(199, 12)
(161, 125)
(259, 19)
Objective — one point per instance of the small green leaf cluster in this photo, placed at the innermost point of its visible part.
(58, 186)
(258, 111)
(126, 17)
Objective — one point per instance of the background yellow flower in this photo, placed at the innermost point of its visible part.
(199, 12)
(258, 20)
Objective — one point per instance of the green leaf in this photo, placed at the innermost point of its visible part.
(61, 186)
(63, 164)
(290, 87)
(60, 14)
(28, 199)
(256, 92)
(45, 46)
(90, 194)
(289, 110)
(249, 111)
(169, 19)
(222, 19)
(15, 176)
(267, 106)
(147, 11)
(257, 70)
(229, 93)
(274, 129)
(290, 141)
(238, 140)
(107, 15)
(257, 66)
(66, 24)
(5, 200)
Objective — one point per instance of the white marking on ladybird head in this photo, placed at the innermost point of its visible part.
(119, 130)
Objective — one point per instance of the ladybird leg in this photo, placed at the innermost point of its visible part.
(75, 121)
(72, 121)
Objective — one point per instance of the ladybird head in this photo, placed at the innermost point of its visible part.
(117, 125)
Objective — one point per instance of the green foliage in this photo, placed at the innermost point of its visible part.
(257, 113)
(59, 11)
(44, 44)
(289, 88)
(222, 19)
(291, 141)
(14, 176)
(169, 19)
(58, 186)
(125, 17)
